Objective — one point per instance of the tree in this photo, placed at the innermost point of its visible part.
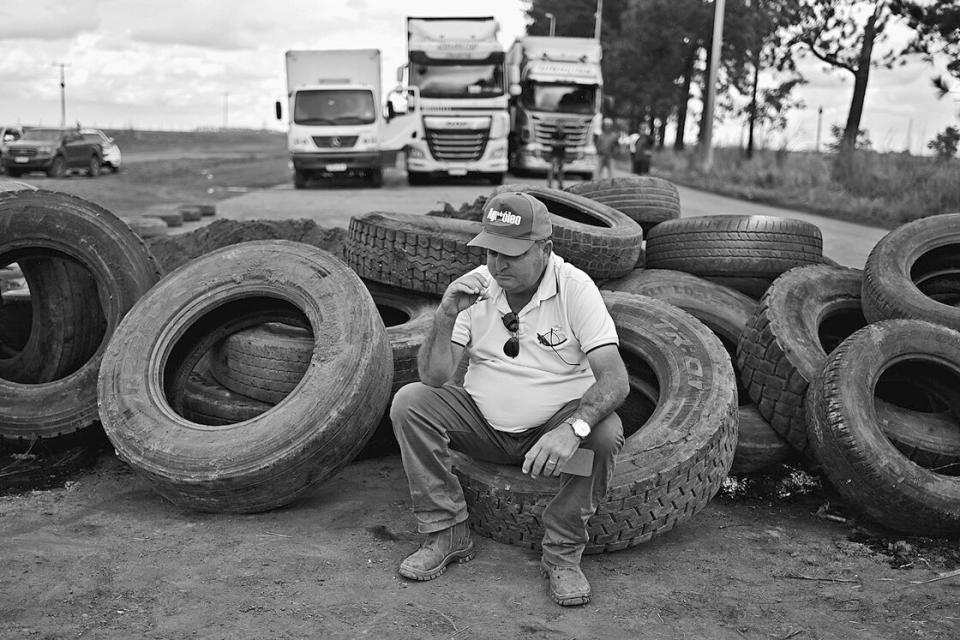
(845, 35)
(945, 144)
(936, 28)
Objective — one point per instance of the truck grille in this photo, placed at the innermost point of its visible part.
(457, 145)
(22, 152)
(578, 133)
(335, 142)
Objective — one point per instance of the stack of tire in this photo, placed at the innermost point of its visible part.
(104, 337)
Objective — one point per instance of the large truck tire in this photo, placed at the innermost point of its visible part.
(726, 312)
(271, 459)
(804, 314)
(680, 423)
(410, 251)
(67, 229)
(207, 402)
(744, 252)
(647, 200)
(919, 255)
(590, 235)
(266, 362)
(874, 477)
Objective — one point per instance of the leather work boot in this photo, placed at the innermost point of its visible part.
(568, 585)
(437, 551)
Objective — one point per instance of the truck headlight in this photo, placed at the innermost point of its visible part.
(500, 125)
(46, 150)
(414, 152)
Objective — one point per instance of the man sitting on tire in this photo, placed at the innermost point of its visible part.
(543, 380)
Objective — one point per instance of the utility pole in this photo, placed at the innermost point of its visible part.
(599, 20)
(819, 124)
(711, 97)
(63, 95)
(553, 23)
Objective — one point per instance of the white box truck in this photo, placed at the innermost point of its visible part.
(455, 68)
(554, 82)
(335, 115)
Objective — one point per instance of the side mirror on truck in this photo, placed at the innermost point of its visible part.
(278, 110)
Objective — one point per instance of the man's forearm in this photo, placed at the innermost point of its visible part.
(601, 399)
(435, 359)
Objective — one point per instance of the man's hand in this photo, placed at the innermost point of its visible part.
(551, 451)
(462, 293)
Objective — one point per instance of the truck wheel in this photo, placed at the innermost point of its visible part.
(375, 178)
(496, 179)
(416, 179)
(299, 179)
(93, 167)
(57, 168)
(271, 459)
(679, 446)
(14, 173)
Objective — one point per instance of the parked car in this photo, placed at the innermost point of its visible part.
(54, 151)
(8, 135)
(111, 152)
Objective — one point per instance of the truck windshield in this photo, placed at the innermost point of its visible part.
(559, 98)
(457, 81)
(334, 106)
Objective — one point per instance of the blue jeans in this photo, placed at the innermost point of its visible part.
(429, 421)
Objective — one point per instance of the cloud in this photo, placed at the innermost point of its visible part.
(47, 19)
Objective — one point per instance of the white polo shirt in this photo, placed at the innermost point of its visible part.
(567, 312)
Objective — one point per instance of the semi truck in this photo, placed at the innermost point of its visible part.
(554, 82)
(336, 120)
(455, 70)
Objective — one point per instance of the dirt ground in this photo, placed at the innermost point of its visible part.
(90, 551)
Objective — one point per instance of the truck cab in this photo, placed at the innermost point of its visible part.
(456, 67)
(554, 82)
(335, 116)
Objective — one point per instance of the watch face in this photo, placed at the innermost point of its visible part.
(581, 428)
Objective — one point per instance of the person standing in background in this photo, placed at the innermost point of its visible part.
(606, 142)
(558, 151)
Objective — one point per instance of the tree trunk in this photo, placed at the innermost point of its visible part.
(684, 99)
(861, 77)
(753, 102)
(703, 92)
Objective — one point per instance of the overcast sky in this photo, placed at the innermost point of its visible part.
(183, 64)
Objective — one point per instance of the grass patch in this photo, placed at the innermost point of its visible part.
(883, 190)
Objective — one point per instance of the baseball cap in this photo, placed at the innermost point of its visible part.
(512, 222)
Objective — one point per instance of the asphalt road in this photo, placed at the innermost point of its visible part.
(332, 206)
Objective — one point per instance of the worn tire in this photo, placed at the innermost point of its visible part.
(271, 459)
(678, 447)
(759, 447)
(647, 200)
(207, 402)
(190, 212)
(744, 252)
(170, 218)
(781, 349)
(860, 462)
(266, 362)
(598, 239)
(726, 312)
(410, 251)
(66, 321)
(925, 249)
(47, 223)
(147, 227)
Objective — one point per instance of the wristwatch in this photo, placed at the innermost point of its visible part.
(581, 428)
